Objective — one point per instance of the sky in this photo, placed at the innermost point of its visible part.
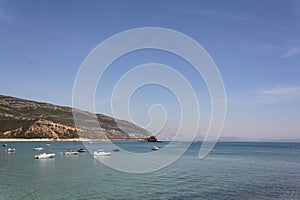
(255, 45)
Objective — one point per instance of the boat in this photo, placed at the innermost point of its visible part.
(71, 152)
(9, 150)
(44, 155)
(4, 145)
(48, 145)
(38, 149)
(101, 153)
(155, 148)
(116, 149)
(80, 150)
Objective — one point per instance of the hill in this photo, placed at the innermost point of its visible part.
(20, 118)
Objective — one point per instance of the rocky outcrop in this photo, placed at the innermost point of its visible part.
(47, 129)
(151, 139)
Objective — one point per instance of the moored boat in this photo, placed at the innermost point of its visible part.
(9, 150)
(155, 148)
(38, 149)
(44, 155)
(71, 152)
(101, 153)
(80, 150)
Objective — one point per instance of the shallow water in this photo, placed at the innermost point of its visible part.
(231, 171)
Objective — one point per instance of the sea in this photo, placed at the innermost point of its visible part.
(233, 170)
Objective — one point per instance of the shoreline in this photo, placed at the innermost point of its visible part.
(49, 140)
(58, 140)
(43, 140)
(107, 140)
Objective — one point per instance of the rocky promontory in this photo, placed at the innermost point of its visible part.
(20, 118)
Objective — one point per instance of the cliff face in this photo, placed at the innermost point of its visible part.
(21, 118)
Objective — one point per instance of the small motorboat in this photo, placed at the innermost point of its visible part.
(101, 153)
(116, 149)
(38, 149)
(155, 148)
(80, 150)
(4, 145)
(71, 152)
(48, 145)
(44, 155)
(10, 150)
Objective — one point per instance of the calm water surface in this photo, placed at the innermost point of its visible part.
(231, 171)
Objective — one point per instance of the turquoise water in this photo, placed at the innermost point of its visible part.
(231, 171)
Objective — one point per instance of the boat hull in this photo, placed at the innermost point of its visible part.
(44, 156)
(102, 153)
(71, 153)
(38, 149)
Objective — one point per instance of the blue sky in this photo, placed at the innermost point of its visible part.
(255, 44)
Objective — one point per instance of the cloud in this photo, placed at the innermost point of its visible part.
(279, 94)
(286, 91)
(291, 52)
(271, 95)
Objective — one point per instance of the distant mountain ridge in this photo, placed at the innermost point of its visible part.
(20, 118)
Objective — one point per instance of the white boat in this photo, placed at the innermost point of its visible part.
(9, 150)
(38, 149)
(48, 145)
(101, 153)
(44, 155)
(71, 152)
(155, 148)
